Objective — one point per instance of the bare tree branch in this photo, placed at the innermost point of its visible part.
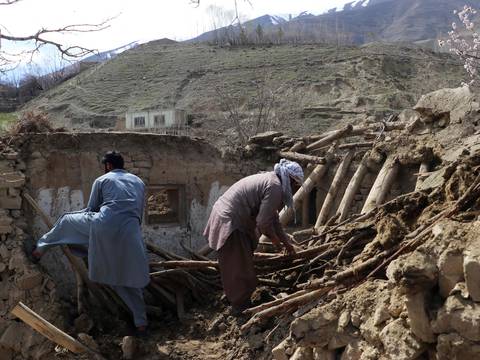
(9, 2)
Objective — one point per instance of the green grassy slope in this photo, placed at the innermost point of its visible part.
(338, 83)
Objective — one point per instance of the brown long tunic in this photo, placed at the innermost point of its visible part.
(251, 203)
(249, 208)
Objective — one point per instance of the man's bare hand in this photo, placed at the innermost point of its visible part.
(289, 248)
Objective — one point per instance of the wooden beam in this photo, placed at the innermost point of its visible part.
(335, 135)
(334, 188)
(382, 184)
(298, 146)
(302, 158)
(352, 188)
(48, 330)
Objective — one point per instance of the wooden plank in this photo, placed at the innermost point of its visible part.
(48, 330)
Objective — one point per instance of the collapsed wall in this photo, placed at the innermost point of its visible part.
(423, 303)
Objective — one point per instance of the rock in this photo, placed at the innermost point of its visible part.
(4, 253)
(29, 280)
(399, 343)
(18, 261)
(415, 271)
(459, 315)
(303, 353)
(322, 354)
(339, 340)
(282, 351)
(129, 347)
(3, 267)
(16, 214)
(457, 103)
(13, 203)
(6, 354)
(453, 346)
(344, 320)
(417, 314)
(14, 337)
(369, 331)
(471, 270)
(164, 352)
(11, 156)
(12, 180)
(83, 324)
(450, 270)
(381, 314)
(88, 341)
(265, 138)
(359, 350)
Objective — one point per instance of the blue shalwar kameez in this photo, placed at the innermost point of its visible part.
(110, 229)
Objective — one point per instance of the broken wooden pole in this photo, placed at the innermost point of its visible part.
(422, 173)
(335, 135)
(352, 188)
(286, 307)
(51, 332)
(382, 184)
(302, 158)
(334, 188)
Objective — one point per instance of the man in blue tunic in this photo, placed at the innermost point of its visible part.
(110, 229)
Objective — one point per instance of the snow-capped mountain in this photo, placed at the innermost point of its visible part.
(357, 22)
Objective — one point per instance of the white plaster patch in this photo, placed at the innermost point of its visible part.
(199, 214)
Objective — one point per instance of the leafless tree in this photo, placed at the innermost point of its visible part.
(41, 38)
(260, 107)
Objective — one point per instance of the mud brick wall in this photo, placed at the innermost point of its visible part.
(60, 169)
(20, 280)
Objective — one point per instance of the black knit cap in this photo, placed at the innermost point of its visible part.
(114, 158)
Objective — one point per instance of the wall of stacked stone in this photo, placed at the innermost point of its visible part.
(20, 280)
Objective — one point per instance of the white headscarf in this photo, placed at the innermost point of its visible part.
(285, 170)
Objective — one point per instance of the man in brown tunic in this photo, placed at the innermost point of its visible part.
(248, 209)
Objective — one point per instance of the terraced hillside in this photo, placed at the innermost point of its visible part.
(335, 84)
